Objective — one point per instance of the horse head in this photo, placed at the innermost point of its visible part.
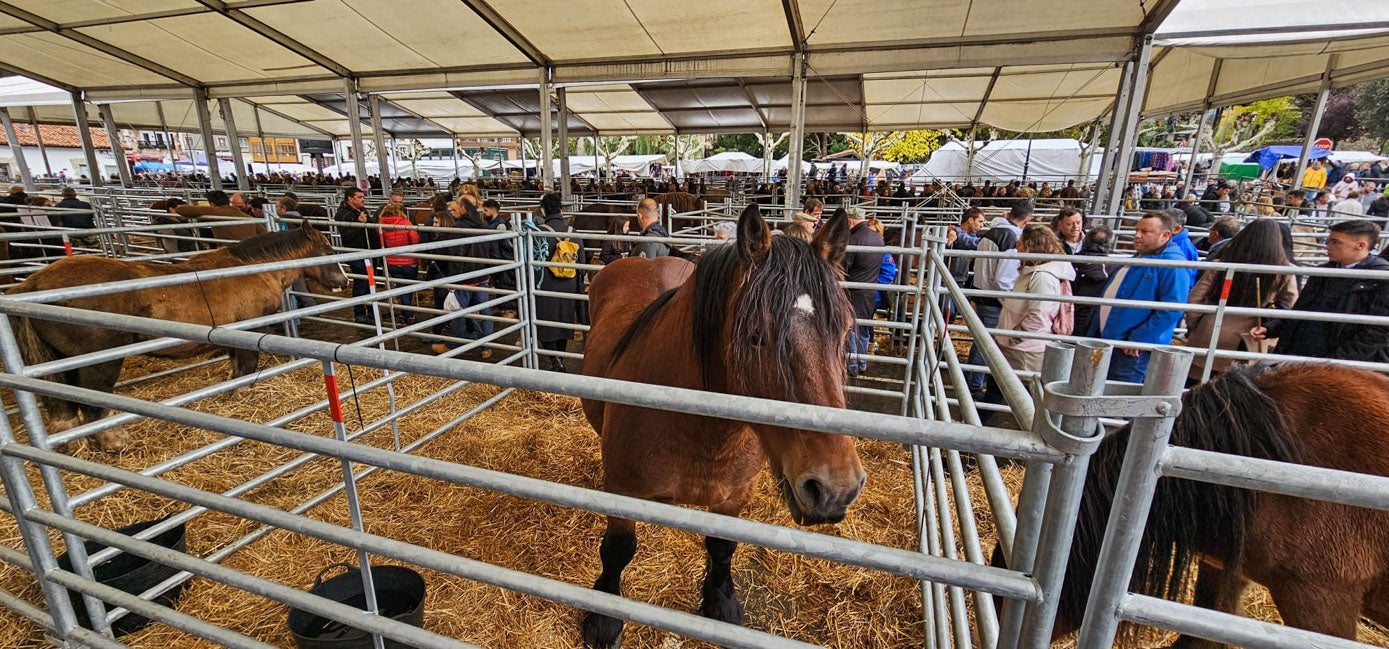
(782, 337)
(329, 275)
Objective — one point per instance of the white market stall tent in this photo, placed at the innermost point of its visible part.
(728, 161)
(1049, 160)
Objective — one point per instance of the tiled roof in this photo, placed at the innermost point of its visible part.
(56, 136)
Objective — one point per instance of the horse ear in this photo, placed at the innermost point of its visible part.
(832, 238)
(754, 237)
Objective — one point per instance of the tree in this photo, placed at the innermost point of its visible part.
(745, 142)
(1372, 108)
(1244, 126)
(914, 147)
(821, 145)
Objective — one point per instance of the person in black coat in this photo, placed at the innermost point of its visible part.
(353, 210)
(1197, 216)
(862, 267)
(1348, 246)
(555, 309)
(1091, 277)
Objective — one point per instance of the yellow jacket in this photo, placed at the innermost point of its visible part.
(1314, 178)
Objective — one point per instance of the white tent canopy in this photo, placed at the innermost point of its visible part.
(1004, 160)
(728, 161)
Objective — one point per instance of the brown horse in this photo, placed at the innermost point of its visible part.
(678, 202)
(210, 302)
(763, 317)
(1326, 565)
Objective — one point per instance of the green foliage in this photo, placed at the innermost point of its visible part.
(1372, 108)
(745, 142)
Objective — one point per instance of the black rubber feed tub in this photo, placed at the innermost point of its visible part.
(132, 574)
(399, 594)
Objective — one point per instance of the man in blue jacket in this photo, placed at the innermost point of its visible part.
(1152, 239)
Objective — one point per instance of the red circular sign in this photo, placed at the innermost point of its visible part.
(1322, 143)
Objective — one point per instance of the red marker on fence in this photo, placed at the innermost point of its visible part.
(67, 246)
(371, 274)
(1225, 289)
(330, 381)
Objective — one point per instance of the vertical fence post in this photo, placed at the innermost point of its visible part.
(1087, 378)
(53, 483)
(349, 484)
(1219, 316)
(1056, 365)
(1133, 498)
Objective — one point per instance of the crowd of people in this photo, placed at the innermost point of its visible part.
(1030, 289)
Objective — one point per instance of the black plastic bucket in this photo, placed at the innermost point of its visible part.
(399, 595)
(132, 574)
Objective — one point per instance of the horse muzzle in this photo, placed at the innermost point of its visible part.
(814, 499)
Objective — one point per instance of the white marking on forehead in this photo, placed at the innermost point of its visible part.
(805, 305)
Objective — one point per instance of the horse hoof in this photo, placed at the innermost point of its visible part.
(602, 632)
(723, 607)
(111, 441)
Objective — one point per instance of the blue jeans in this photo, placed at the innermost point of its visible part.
(467, 326)
(989, 314)
(410, 272)
(1131, 369)
(359, 286)
(860, 342)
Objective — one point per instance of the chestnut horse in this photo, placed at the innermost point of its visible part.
(762, 317)
(1325, 564)
(207, 302)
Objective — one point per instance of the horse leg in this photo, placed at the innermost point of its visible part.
(244, 361)
(62, 415)
(1332, 609)
(1377, 605)
(1217, 591)
(102, 376)
(618, 547)
(720, 601)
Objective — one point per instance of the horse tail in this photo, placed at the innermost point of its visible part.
(1229, 415)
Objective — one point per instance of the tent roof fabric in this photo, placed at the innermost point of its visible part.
(472, 67)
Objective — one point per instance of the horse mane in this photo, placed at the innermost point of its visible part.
(639, 324)
(1229, 415)
(271, 246)
(764, 296)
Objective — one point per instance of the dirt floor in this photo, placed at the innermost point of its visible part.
(536, 435)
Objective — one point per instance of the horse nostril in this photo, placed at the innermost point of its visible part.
(813, 492)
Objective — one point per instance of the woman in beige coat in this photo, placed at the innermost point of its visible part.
(1260, 242)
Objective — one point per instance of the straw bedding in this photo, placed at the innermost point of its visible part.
(531, 434)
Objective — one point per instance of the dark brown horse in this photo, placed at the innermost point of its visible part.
(763, 317)
(1326, 565)
(678, 202)
(207, 302)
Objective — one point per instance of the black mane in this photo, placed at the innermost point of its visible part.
(1229, 415)
(271, 245)
(766, 296)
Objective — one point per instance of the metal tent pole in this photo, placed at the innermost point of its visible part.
(453, 142)
(1116, 124)
(563, 145)
(383, 161)
(117, 151)
(169, 137)
(1195, 148)
(797, 150)
(547, 125)
(38, 138)
(234, 140)
(1322, 95)
(354, 125)
(209, 145)
(17, 150)
(260, 133)
(1135, 106)
(84, 133)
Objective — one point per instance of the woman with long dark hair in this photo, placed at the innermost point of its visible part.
(556, 280)
(1260, 242)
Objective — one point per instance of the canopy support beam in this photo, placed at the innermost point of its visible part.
(797, 151)
(260, 133)
(243, 183)
(17, 150)
(209, 145)
(1323, 94)
(117, 151)
(1201, 125)
(1135, 105)
(38, 138)
(547, 126)
(354, 127)
(563, 106)
(383, 159)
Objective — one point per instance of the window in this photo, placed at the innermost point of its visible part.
(222, 142)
